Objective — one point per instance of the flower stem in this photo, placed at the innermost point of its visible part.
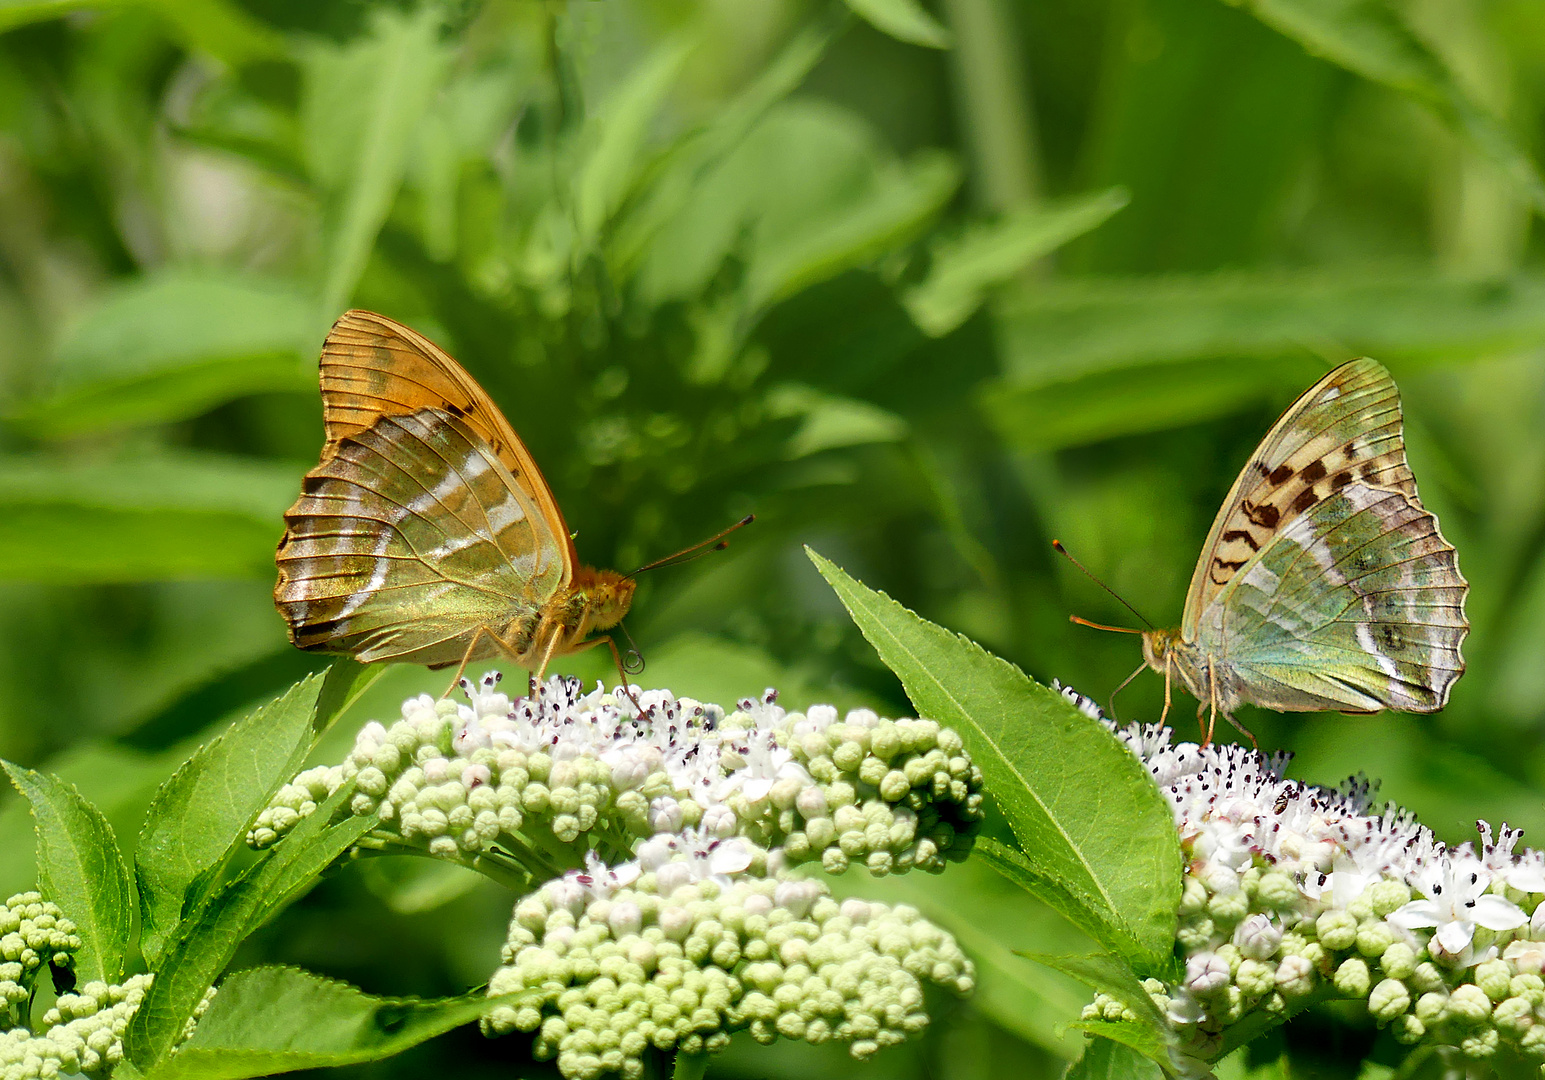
(690, 1067)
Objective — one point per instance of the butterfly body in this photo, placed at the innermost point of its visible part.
(426, 534)
(1324, 583)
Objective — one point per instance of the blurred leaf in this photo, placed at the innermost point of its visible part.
(1108, 840)
(362, 105)
(1135, 401)
(904, 20)
(172, 345)
(1106, 1059)
(1014, 866)
(1059, 331)
(166, 516)
(988, 254)
(1372, 39)
(199, 817)
(217, 27)
(618, 131)
(209, 937)
(901, 203)
(79, 869)
(274, 1020)
(654, 222)
(411, 886)
(829, 421)
(1149, 1035)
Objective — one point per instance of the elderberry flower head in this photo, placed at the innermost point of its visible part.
(587, 770)
(1293, 890)
(693, 942)
(33, 932)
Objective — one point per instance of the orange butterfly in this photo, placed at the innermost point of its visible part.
(427, 534)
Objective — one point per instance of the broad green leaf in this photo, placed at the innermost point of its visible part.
(219, 28)
(1086, 814)
(1372, 39)
(1135, 401)
(200, 816)
(904, 20)
(208, 941)
(183, 515)
(172, 345)
(1149, 1034)
(1015, 867)
(902, 201)
(617, 132)
(676, 190)
(361, 107)
(275, 1019)
(964, 267)
(80, 869)
(1060, 331)
(1106, 1059)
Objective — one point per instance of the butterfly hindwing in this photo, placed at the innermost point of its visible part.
(413, 531)
(1358, 604)
(1346, 427)
(1325, 583)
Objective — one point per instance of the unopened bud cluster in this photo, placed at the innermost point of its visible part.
(565, 767)
(689, 943)
(82, 1033)
(1292, 890)
(33, 932)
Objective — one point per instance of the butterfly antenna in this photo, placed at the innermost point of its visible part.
(1064, 551)
(716, 542)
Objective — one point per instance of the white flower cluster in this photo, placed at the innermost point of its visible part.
(82, 1033)
(33, 932)
(702, 936)
(536, 775)
(1292, 890)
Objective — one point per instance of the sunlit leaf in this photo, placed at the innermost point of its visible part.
(172, 345)
(273, 1020)
(200, 816)
(362, 105)
(904, 20)
(80, 869)
(1057, 331)
(989, 253)
(1371, 38)
(1107, 840)
(166, 516)
(1106, 1059)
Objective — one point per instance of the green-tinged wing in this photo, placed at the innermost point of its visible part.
(1357, 604)
(410, 536)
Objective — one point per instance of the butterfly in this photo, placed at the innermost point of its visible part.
(1324, 583)
(427, 534)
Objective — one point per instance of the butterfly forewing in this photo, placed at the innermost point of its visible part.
(1325, 583)
(414, 531)
(1346, 427)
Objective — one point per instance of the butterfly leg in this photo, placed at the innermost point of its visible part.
(508, 648)
(1165, 714)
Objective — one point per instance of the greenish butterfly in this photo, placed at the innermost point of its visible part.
(1324, 583)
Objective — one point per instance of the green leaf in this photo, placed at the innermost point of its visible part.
(277, 1019)
(1372, 39)
(904, 20)
(1149, 1035)
(1059, 331)
(173, 345)
(902, 201)
(361, 107)
(182, 515)
(617, 133)
(987, 254)
(1015, 867)
(206, 944)
(1106, 1059)
(1135, 401)
(1086, 814)
(79, 869)
(217, 27)
(199, 817)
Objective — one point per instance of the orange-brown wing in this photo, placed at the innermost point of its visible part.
(374, 367)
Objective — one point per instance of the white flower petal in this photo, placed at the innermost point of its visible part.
(1495, 913)
(1418, 913)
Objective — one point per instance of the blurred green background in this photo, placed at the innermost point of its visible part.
(923, 288)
